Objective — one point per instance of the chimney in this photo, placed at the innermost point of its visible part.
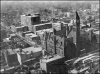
(77, 34)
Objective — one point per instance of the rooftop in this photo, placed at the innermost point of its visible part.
(48, 30)
(42, 31)
(31, 35)
(58, 23)
(39, 24)
(20, 26)
(30, 49)
(27, 32)
(89, 29)
(10, 51)
(29, 15)
(43, 24)
(97, 32)
(33, 49)
(52, 59)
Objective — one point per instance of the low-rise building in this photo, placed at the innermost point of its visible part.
(56, 26)
(42, 26)
(53, 64)
(32, 37)
(23, 34)
(19, 28)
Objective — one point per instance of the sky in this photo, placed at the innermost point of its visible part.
(47, 2)
(10, 1)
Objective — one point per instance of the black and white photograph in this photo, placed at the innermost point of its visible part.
(49, 37)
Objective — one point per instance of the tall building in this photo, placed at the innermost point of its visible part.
(77, 33)
(30, 20)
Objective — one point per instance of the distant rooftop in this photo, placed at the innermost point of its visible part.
(39, 24)
(30, 49)
(52, 59)
(43, 24)
(31, 35)
(10, 51)
(33, 49)
(89, 29)
(97, 32)
(17, 25)
(27, 32)
(42, 31)
(20, 26)
(31, 15)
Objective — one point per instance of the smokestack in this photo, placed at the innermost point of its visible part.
(77, 34)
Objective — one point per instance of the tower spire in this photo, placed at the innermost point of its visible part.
(77, 34)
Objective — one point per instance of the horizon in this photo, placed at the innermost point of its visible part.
(56, 1)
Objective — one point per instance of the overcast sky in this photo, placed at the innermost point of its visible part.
(46, 1)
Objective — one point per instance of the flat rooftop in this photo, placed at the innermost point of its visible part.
(97, 32)
(21, 26)
(42, 31)
(48, 30)
(27, 32)
(43, 24)
(57, 23)
(39, 24)
(52, 59)
(30, 15)
(30, 49)
(31, 35)
(89, 29)
(33, 49)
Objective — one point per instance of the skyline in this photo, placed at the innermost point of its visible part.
(4, 3)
